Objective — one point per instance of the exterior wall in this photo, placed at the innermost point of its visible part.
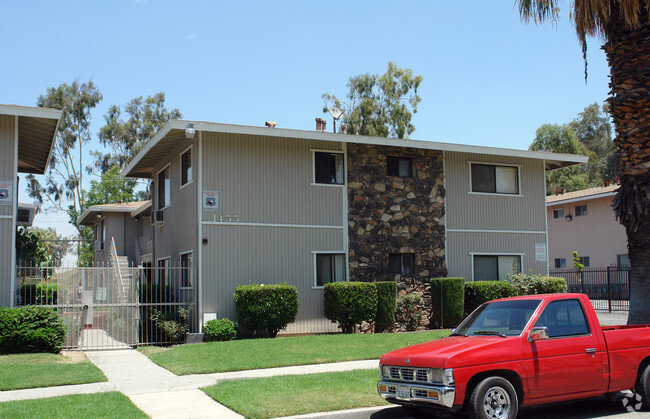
(123, 229)
(7, 213)
(278, 219)
(597, 235)
(493, 223)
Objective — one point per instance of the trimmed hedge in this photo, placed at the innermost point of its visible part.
(270, 307)
(42, 293)
(478, 292)
(220, 330)
(349, 303)
(386, 302)
(447, 301)
(528, 284)
(31, 329)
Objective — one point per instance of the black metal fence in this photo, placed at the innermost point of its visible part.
(608, 288)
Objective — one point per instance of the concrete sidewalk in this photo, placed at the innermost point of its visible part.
(162, 394)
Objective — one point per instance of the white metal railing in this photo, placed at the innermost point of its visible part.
(116, 265)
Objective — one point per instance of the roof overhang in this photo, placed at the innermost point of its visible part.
(174, 131)
(36, 133)
(580, 199)
(93, 213)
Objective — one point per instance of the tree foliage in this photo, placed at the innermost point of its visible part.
(379, 105)
(112, 188)
(127, 129)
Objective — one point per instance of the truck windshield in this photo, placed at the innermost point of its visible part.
(501, 318)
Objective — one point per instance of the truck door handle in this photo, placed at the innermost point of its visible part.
(591, 350)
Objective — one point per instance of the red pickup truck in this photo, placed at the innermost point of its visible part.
(520, 351)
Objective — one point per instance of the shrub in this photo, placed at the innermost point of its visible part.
(529, 284)
(173, 325)
(220, 330)
(447, 301)
(408, 310)
(386, 300)
(42, 293)
(478, 292)
(270, 307)
(31, 329)
(349, 303)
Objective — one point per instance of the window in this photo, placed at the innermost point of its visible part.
(558, 214)
(560, 263)
(623, 260)
(186, 167)
(328, 168)
(564, 318)
(186, 270)
(495, 267)
(488, 178)
(581, 210)
(330, 267)
(164, 188)
(401, 263)
(584, 260)
(100, 234)
(399, 166)
(163, 271)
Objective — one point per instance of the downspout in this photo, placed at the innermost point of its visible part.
(14, 210)
(199, 221)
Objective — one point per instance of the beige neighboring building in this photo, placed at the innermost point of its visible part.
(584, 221)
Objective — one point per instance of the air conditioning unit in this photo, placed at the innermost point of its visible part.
(156, 217)
(25, 216)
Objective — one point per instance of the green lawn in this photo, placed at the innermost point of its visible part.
(46, 370)
(99, 405)
(299, 394)
(250, 354)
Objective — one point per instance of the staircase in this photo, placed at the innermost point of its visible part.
(126, 273)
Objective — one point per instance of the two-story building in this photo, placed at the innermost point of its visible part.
(265, 205)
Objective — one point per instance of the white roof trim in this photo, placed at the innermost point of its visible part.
(30, 111)
(581, 198)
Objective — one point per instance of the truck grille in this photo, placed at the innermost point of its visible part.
(409, 374)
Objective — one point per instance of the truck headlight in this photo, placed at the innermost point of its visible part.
(448, 377)
(384, 370)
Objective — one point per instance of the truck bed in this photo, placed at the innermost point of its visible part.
(627, 347)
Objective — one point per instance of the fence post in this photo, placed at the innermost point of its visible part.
(582, 282)
(609, 288)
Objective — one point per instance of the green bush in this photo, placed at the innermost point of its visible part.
(42, 293)
(386, 300)
(529, 284)
(447, 301)
(220, 330)
(408, 310)
(31, 329)
(349, 303)
(173, 325)
(270, 307)
(478, 292)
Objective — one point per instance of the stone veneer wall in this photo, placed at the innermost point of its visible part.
(390, 214)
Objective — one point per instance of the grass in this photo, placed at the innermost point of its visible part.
(299, 394)
(46, 370)
(250, 354)
(99, 405)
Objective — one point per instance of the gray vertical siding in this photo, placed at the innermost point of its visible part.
(483, 223)
(7, 226)
(283, 218)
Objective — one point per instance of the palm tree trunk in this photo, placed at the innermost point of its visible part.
(628, 54)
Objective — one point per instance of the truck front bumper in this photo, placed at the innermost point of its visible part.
(420, 394)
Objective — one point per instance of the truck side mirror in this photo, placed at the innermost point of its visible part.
(538, 333)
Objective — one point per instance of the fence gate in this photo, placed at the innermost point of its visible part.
(114, 307)
(608, 288)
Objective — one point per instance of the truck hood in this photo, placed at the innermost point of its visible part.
(457, 351)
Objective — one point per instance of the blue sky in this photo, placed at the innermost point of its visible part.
(489, 79)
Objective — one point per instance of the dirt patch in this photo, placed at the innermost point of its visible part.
(72, 357)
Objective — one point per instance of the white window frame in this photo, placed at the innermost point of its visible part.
(180, 162)
(585, 213)
(169, 203)
(345, 168)
(521, 259)
(191, 286)
(168, 268)
(315, 254)
(518, 166)
(559, 210)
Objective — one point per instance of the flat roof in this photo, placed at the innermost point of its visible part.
(89, 216)
(582, 195)
(174, 131)
(36, 132)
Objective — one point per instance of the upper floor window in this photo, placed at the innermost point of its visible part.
(581, 210)
(490, 178)
(329, 168)
(399, 166)
(401, 263)
(186, 167)
(558, 214)
(495, 267)
(164, 188)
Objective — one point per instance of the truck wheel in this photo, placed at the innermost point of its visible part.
(643, 387)
(493, 398)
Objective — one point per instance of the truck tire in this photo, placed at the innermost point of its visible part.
(493, 398)
(643, 387)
